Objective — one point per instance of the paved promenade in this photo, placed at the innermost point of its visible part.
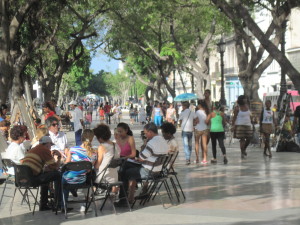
(257, 190)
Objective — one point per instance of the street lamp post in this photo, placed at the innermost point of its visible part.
(221, 49)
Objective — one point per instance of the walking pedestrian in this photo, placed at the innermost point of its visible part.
(107, 109)
(296, 124)
(201, 131)
(266, 126)
(171, 114)
(186, 120)
(78, 122)
(157, 114)
(217, 123)
(242, 125)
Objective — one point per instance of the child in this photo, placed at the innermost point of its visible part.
(266, 126)
(287, 129)
(168, 130)
(101, 114)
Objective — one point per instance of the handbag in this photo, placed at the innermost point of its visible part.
(114, 163)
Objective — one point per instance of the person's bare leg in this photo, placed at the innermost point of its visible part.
(131, 190)
(204, 147)
(197, 139)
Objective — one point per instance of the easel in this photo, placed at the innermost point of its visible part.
(22, 111)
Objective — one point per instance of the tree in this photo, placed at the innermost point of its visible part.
(280, 9)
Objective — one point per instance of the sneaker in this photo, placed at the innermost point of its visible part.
(188, 162)
(204, 162)
(225, 160)
(82, 208)
(213, 161)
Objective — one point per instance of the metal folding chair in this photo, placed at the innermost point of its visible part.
(107, 187)
(88, 184)
(23, 181)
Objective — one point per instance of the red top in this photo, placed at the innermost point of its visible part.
(107, 108)
(51, 113)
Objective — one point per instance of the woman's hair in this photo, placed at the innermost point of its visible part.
(40, 132)
(16, 132)
(217, 105)
(87, 138)
(125, 127)
(3, 106)
(102, 131)
(241, 100)
(49, 105)
(168, 128)
(203, 104)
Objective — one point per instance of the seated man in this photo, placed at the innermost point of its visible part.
(36, 159)
(156, 145)
(59, 138)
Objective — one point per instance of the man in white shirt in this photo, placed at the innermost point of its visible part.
(155, 147)
(186, 119)
(78, 122)
(59, 138)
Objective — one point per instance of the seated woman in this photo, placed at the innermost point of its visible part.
(107, 150)
(14, 151)
(84, 152)
(126, 141)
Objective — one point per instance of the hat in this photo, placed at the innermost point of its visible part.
(45, 140)
(73, 102)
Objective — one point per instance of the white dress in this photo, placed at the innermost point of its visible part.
(111, 174)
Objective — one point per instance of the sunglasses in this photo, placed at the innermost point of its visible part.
(54, 124)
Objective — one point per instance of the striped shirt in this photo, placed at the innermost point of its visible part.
(155, 147)
(37, 158)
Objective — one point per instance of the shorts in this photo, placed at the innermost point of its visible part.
(267, 128)
(199, 133)
(243, 131)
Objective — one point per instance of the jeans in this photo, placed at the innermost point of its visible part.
(107, 118)
(44, 179)
(157, 120)
(187, 143)
(78, 137)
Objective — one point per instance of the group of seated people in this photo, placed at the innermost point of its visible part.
(49, 150)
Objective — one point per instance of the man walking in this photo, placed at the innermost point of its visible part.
(186, 119)
(78, 122)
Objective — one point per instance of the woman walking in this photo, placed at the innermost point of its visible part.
(266, 126)
(217, 123)
(201, 131)
(171, 114)
(242, 125)
(157, 114)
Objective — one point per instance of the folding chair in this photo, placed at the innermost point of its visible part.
(107, 187)
(88, 184)
(10, 179)
(172, 173)
(154, 182)
(23, 181)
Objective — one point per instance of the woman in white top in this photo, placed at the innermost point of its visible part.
(14, 151)
(157, 115)
(266, 126)
(242, 124)
(107, 150)
(201, 131)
